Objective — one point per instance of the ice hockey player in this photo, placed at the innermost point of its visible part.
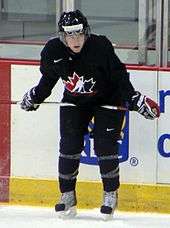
(93, 76)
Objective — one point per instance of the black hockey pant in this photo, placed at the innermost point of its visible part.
(74, 123)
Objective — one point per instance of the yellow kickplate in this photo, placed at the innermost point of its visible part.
(132, 197)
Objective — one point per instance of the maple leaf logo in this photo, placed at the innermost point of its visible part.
(70, 85)
(88, 85)
(77, 84)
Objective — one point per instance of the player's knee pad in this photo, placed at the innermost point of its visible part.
(68, 165)
(68, 171)
(109, 165)
(68, 176)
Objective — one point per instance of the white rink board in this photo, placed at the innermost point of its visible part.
(142, 135)
(34, 142)
(24, 77)
(35, 135)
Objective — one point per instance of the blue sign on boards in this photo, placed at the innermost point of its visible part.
(165, 137)
(88, 155)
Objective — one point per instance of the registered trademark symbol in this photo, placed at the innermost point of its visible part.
(134, 161)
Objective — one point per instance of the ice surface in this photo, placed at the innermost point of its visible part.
(36, 217)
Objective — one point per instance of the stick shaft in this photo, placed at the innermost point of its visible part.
(119, 108)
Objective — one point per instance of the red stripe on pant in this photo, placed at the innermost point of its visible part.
(5, 112)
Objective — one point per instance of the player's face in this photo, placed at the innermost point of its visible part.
(75, 41)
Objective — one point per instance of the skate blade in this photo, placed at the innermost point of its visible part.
(70, 213)
(107, 217)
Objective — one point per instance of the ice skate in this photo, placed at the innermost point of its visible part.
(109, 204)
(66, 208)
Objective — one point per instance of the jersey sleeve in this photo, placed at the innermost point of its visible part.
(118, 73)
(50, 73)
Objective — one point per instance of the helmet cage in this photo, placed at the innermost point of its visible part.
(73, 23)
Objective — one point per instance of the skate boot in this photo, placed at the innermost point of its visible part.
(66, 208)
(109, 204)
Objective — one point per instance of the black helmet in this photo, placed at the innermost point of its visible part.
(73, 21)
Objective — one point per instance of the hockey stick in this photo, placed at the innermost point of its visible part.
(45, 102)
(119, 108)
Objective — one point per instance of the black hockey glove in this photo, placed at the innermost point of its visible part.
(27, 102)
(145, 106)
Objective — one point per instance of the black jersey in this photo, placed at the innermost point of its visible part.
(95, 76)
